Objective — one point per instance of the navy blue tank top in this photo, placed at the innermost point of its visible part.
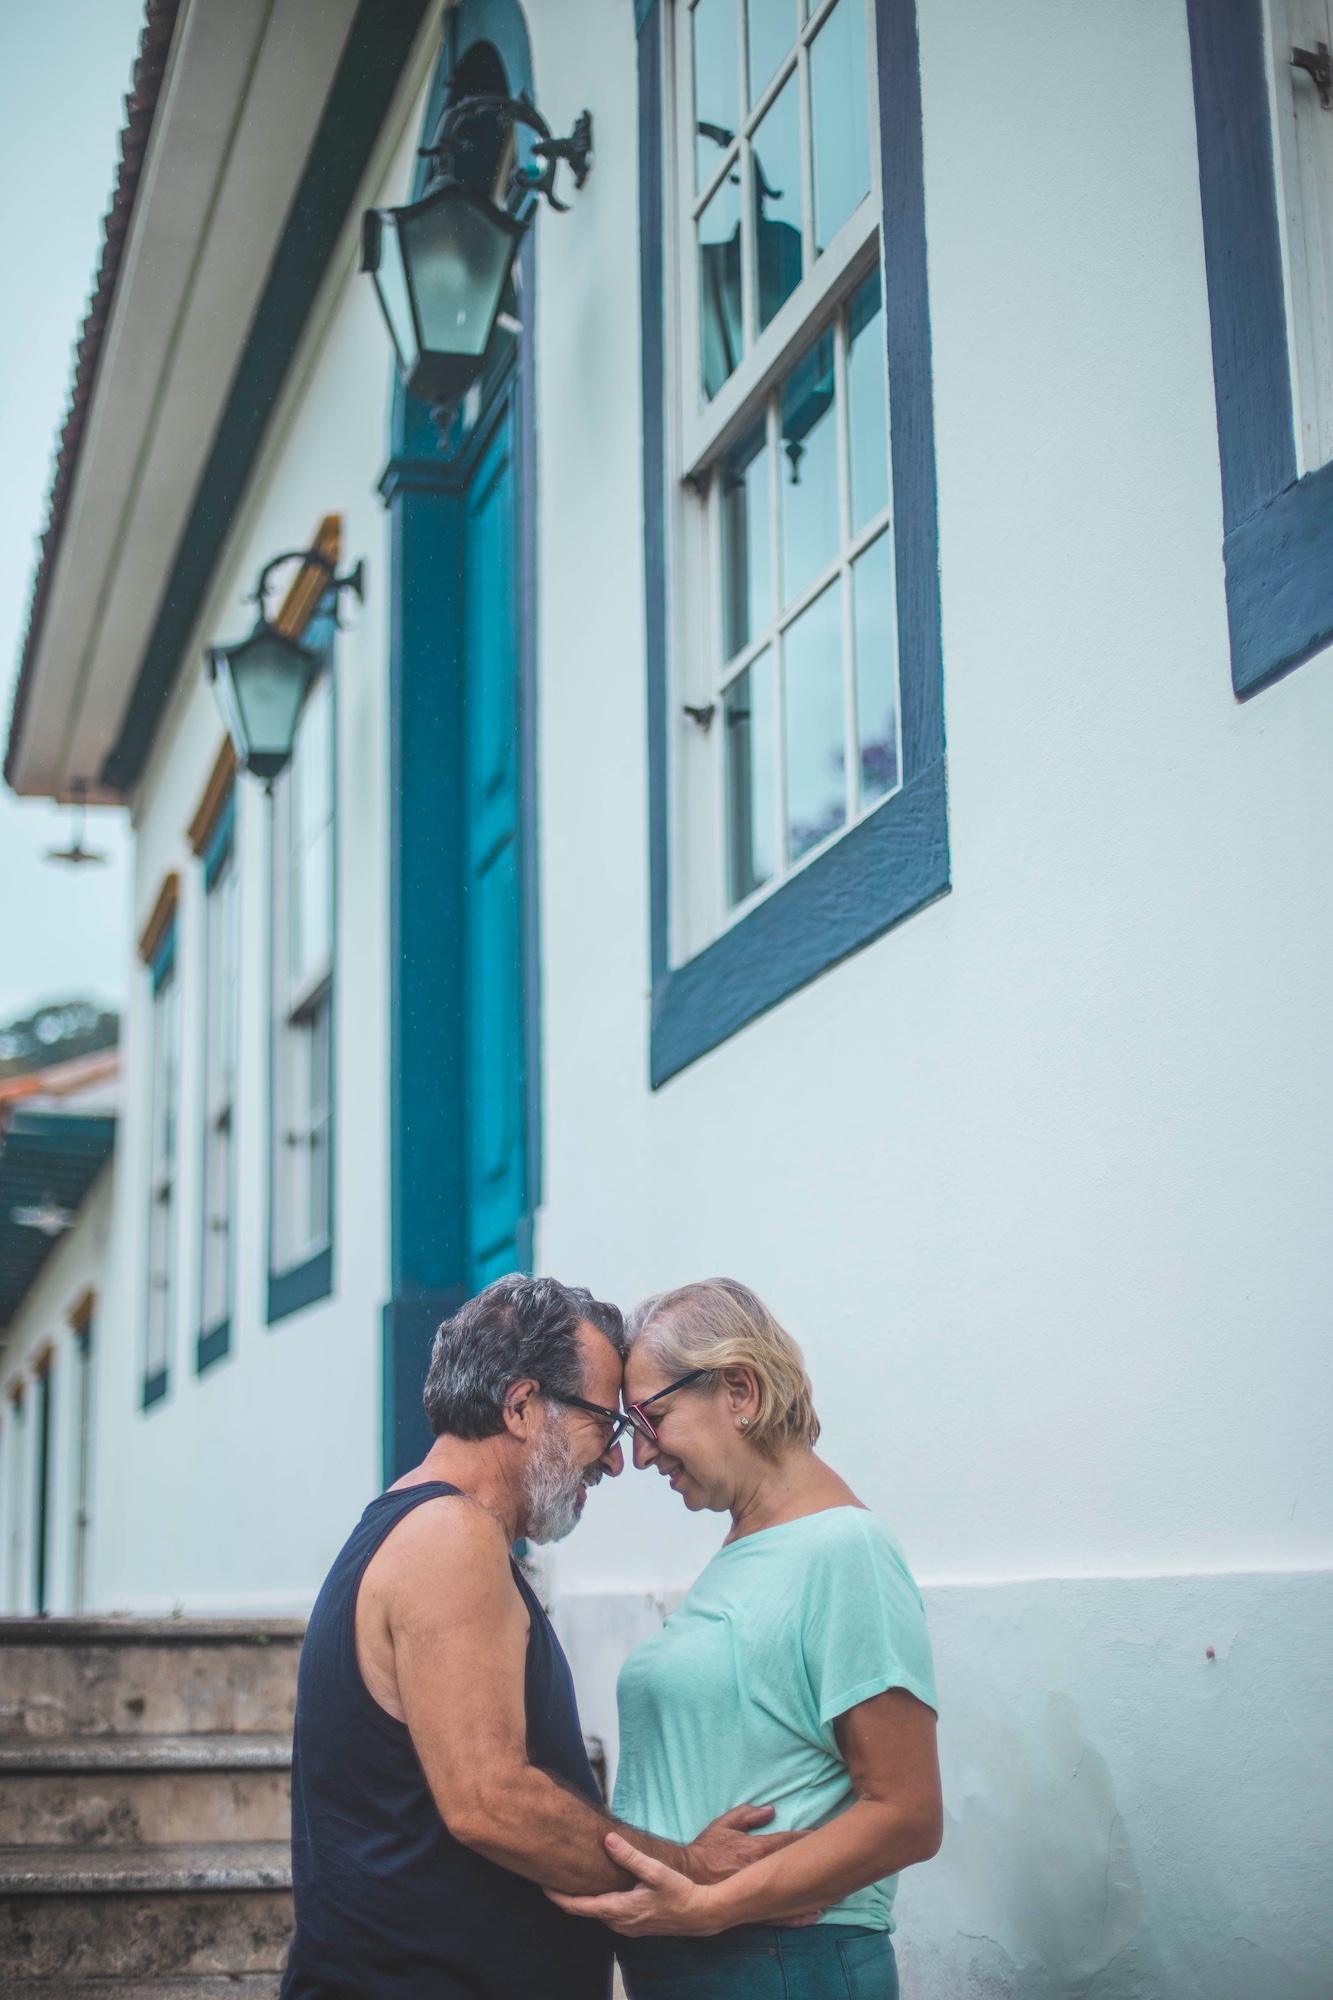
(389, 1906)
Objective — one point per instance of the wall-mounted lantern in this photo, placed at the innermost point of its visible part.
(261, 683)
(440, 265)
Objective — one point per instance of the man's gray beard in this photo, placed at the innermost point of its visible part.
(554, 1478)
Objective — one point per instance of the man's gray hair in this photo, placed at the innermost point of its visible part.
(517, 1329)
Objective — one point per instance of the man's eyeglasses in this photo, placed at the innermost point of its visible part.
(635, 1415)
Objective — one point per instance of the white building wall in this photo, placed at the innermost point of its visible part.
(1040, 1179)
(237, 1490)
(80, 1262)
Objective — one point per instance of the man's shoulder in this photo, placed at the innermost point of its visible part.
(453, 1525)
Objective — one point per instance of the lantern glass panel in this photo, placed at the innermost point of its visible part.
(391, 284)
(457, 254)
(269, 675)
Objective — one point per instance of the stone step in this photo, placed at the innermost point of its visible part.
(218, 1986)
(126, 1791)
(140, 1913)
(63, 1677)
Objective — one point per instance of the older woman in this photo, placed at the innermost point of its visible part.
(795, 1672)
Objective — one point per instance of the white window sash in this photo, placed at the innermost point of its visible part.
(1303, 159)
(708, 429)
(302, 1105)
(699, 435)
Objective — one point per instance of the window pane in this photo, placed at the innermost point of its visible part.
(716, 85)
(810, 525)
(838, 111)
(875, 641)
(313, 763)
(314, 908)
(776, 166)
(866, 418)
(311, 834)
(291, 1149)
(720, 335)
(231, 986)
(320, 1052)
(160, 1293)
(750, 720)
(217, 1227)
(747, 564)
(770, 32)
(816, 752)
(167, 1000)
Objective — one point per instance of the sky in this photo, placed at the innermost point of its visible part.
(63, 931)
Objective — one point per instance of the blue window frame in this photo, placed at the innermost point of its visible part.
(895, 859)
(1277, 526)
(221, 1014)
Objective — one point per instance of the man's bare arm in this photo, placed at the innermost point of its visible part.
(459, 1634)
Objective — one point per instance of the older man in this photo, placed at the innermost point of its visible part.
(439, 1779)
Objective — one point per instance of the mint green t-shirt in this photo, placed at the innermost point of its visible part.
(733, 1702)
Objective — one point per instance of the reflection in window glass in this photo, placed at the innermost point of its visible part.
(716, 86)
(750, 726)
(747, 579)
(838, 113)
(161, 1296)
(301, 1104)
(770, 32)
(776, 167)
(312, 837)
(816, 756)
(221, 999)
(876, 651)
(810, 522)
(319, 1114)
(720, 337)
(867, 424)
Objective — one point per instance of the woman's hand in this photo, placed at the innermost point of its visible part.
(663, 1904)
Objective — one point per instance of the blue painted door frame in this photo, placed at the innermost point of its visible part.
(495, 1161)
(464, 1143)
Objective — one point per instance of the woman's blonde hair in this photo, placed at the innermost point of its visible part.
(720, 1323)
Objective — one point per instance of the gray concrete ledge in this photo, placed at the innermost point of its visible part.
(129, 1631)
(235, 1752)
(209, 1986)
(109, 1871)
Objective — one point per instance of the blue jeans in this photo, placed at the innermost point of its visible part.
(756, 1962)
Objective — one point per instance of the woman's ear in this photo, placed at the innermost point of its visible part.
(741, 1388)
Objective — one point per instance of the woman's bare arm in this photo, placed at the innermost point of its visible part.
(897, 1819)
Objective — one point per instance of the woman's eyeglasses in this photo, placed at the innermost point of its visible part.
(634, 1416)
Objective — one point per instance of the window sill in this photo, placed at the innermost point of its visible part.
(302, 1285)
(212, 1345)
(154, 1388)
(885, 868)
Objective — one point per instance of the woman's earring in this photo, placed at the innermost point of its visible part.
(743, 1423)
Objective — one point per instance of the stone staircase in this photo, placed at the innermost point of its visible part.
(144, 1798)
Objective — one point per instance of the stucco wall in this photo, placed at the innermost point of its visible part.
(1041, 1179)
(239, 1487)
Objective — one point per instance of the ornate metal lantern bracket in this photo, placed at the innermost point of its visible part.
(353, 579)
(451, 139)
